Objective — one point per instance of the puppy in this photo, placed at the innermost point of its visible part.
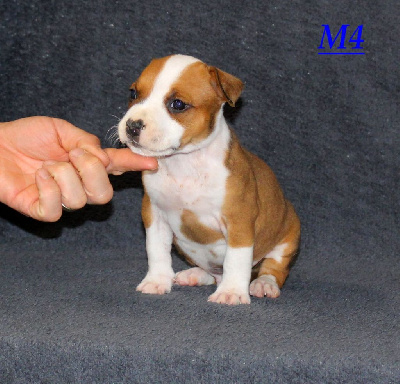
(220, 205)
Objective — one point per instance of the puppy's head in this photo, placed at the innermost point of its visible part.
(174, 106)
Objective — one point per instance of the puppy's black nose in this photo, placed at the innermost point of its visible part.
(134, 127)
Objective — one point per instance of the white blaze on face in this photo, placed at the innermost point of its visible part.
(162, 134)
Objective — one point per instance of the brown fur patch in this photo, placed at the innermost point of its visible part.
(227, 87)
(255, 209)
(272, 267)
(240, 209)
(199, 119)
(147, 215)
(280, 269)
(145, 83)
(196, 231)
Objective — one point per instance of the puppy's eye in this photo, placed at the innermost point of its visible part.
(177, 105)
(133, 94)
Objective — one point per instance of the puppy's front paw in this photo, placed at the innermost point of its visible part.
(265, 285)
(229, 296)
(155, 285)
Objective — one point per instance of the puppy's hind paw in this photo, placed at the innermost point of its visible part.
(193, 277)
(265, 285)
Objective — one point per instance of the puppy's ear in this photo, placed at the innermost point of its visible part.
(228, 87)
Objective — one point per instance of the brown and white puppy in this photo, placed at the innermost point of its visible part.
(219, 204)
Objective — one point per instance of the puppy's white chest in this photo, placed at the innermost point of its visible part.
(194, 181)
(188, 182)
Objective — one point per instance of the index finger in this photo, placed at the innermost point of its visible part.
(123, 160)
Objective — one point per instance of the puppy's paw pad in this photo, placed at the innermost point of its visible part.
(230, 298)
(265, 285)
(155, 285)
(194, 277)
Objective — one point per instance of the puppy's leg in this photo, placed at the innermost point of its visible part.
(234, 287)
(160, 275)
(273, 271)
(194, 277)
(240, 234)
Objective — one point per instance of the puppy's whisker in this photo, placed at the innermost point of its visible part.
(118, 118)
(112, 137)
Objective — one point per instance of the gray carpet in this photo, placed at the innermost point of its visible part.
(327, 124)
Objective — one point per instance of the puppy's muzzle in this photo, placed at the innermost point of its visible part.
(134, 128)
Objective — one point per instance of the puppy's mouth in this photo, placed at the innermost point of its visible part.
(136, 147)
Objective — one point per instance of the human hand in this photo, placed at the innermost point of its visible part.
(47, 162)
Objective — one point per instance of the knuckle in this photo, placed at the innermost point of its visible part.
(102, 198)
(63, 166)
(60, 168)
(91, 162)
(94, 162)
(53, 218)
(49, 217)
(77, 203)
(91, 140)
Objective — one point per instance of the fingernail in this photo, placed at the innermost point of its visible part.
(43, 173)
(77, 152)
